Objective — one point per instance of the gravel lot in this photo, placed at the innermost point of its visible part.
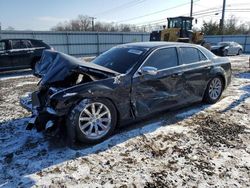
(200, 145)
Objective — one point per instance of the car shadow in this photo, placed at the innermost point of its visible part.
(28, 152)
(241, 99)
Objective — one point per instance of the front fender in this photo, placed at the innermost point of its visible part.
(66, 98)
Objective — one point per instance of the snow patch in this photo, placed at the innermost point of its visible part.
(25, 83)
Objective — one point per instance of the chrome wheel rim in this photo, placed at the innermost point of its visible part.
(95, 120)
(215, 88)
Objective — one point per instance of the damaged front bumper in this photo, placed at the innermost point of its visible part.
(42, 118)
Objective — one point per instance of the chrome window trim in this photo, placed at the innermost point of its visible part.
(136, 74)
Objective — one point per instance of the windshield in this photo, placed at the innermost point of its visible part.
(120, 59)
(224, 43)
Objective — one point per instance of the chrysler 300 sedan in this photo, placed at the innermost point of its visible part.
(126, 83)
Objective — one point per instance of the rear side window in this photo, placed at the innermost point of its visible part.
(27, 43)
(202, 56)
(18, 44)
(37, 43)
(2, 46)
(162, 59)
(191, 55)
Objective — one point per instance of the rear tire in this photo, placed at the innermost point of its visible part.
(239, 52)
(91, 121)
(214, 90)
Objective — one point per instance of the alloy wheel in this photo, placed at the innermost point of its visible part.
(215, 88)
(95, 120)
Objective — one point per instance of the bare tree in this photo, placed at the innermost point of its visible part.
(9, 28)
(231, 27)
(84, 23)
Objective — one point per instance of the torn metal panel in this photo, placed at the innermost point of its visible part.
(154, 93)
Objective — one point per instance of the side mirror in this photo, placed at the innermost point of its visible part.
(148, 70)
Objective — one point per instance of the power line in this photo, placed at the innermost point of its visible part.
(218, 10)
(157, 12)
(122, 6)
(215, 8)
(152, 21)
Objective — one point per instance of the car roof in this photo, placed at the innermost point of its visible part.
(155, 44)
(226, 41)
(21, 39)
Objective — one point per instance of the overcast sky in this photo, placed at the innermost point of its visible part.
(44, 14)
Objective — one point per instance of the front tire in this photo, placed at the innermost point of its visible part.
(214, 90)
(92, 121)
(225, 53)
(33, 66)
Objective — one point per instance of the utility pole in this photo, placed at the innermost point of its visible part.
(0, 30)
(191, 8)
(93, 23)
(222, 17)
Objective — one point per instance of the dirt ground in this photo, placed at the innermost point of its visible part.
(198, 146)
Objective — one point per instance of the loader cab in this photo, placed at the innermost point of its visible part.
(182, 22)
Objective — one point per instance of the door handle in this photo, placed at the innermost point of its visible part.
(209, 67)
(176, 75)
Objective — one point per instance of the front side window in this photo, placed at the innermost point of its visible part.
(224, 44)
(162, 59)
(2, 46)
(18, 44)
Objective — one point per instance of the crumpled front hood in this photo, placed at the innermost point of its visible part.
(56, 67)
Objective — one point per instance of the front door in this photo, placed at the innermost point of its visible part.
(20, 54)
(5, 61)
(152, 93)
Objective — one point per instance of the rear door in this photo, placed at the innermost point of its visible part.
(5, 60)
(20, 54)
(195, 73)
(152, 93)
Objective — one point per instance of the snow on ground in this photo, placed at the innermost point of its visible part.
(200, 145)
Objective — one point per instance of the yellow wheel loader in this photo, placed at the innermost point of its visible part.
(179, 30)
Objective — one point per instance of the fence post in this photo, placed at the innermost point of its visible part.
(0, 30)
(98, 43)
(122, 38)
(33, 35)
(142, 37)
(67, 42)
(245, 43)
